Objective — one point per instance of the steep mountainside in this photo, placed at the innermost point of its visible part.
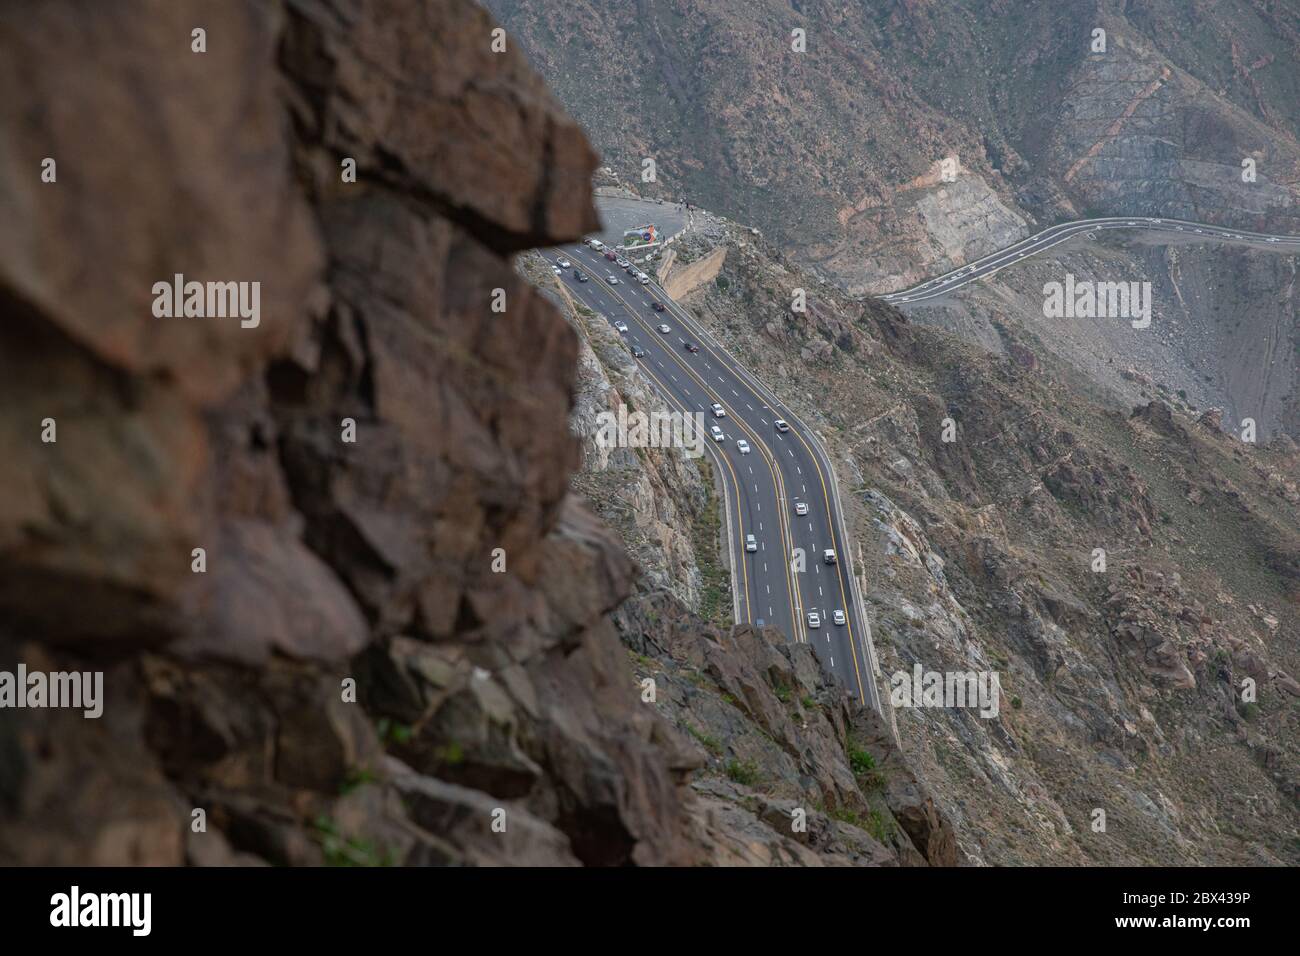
(838, 154)
(1124, 684)
(412, 647)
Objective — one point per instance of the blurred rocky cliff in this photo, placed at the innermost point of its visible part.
(202, 531)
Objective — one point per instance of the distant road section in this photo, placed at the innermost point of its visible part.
(1055, 235)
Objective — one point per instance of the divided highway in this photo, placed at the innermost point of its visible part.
(1055, 235)
(781, 491)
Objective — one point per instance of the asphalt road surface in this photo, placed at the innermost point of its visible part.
(764, 489)
(988, 265)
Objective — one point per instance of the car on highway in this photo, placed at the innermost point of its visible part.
(611, 257)
(801, 507)
(564, 263)
(630, 269)
(657, 306)
(664, 329)
(838, 616)
(597, 245)
(742, 446)
(716, 432)
(814, 619)
(690, 347)
(579, 275)
(612, 280)
(638, 352)
(781, 426)
(621, 326)
(643, 279)
(750, 543)
(558, 270)
(718, 411)
(1272, 238)
(829, 556)
(622, 263)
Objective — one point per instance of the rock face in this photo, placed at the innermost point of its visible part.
(1127, 573)
(361, 651)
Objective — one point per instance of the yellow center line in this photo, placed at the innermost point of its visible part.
(777, 483)
(848, 618)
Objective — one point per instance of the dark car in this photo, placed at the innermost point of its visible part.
(610, 256)
(692, 347)
(638, 352)
(658, 306)
(578, 274)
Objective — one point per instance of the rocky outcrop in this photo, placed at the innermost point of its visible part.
(1128, 575)
(347, 607)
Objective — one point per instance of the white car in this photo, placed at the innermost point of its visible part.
(719, 411)
(838, 616)
(664, 329)
(597, 245)
(612, 280)
(644, 280)
(621, 326)
(814, 619)
(742, 446)
(558, 270)
(564, 263)
(1272, 239)
(716, 432)
(829, 555)
(750, 543)
(801, 507)
(781, 426)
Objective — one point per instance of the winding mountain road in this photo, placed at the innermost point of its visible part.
(994, 262)
(782, 491)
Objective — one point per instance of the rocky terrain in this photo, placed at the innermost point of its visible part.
(1123, 685)
(410, 643)
(838, 154)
